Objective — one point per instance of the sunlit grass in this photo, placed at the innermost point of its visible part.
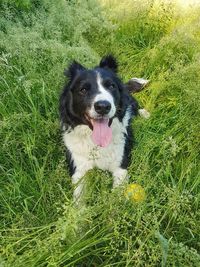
(158, 40)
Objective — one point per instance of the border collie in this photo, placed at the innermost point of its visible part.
(96, 110)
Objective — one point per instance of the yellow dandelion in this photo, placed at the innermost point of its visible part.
(135, 193)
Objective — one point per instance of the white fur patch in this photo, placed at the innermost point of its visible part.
(120, 176)
(102, 95)
(87, 155)
(127, 117)
(141, 81)
(144, 113)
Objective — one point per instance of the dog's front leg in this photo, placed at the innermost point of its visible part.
(78, 182)
(120, 177)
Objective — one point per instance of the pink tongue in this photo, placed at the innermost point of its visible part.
(102, 133)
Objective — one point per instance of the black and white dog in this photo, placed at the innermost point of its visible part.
(96, 110)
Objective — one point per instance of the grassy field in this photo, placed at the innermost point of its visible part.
(39, 226)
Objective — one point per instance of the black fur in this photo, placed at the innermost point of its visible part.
(74, 103)
(109, 62)
(129, 142)
(70, 162)
(129, 137)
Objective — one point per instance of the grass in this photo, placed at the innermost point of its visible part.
(39, 225)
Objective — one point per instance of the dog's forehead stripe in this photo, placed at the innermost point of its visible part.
(103, 93)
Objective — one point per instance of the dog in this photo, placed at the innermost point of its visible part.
(96, 109)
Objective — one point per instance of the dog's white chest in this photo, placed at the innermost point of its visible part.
(88, 155)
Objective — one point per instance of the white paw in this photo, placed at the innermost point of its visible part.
(144, 113)
(120, 177)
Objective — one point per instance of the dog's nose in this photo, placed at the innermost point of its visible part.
(102, 107)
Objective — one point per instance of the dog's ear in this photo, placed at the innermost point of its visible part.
(73, 69)
(109, 62)
(135, 85)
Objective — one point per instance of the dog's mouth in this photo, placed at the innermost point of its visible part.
(101, 130)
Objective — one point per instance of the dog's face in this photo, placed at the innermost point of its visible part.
(93, 97)
(95, 94)
(98, 93)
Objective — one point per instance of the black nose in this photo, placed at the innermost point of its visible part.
(102, 107)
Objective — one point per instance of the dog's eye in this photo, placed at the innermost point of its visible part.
(83, 91)
(111, 86)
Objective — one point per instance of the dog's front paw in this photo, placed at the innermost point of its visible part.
(78, 181)
(120, 177)
(77, 194)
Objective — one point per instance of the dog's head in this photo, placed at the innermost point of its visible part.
(94, 97)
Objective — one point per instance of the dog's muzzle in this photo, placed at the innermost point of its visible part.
(102, 107)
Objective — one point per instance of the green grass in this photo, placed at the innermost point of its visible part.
(39, 225)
